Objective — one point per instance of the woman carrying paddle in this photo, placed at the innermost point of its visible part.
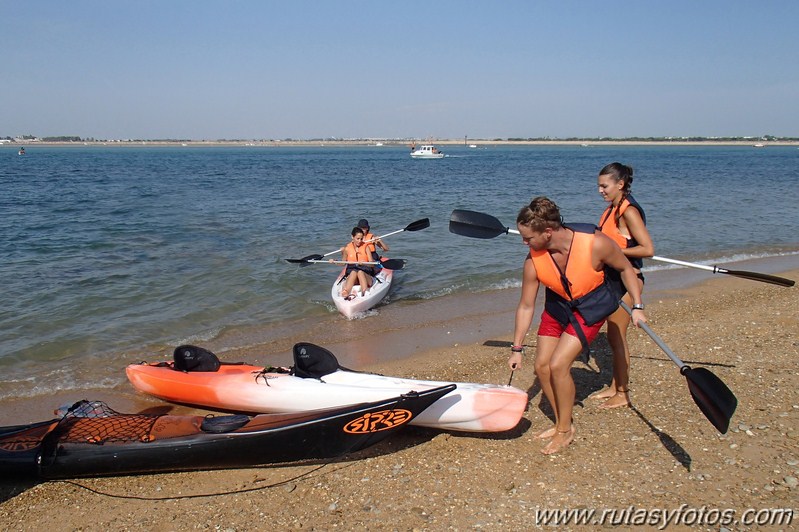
(356, 251)
(571, 262)
(625, 222)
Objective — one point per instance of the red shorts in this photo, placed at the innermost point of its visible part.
(550, 327)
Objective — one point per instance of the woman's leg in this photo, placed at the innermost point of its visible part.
(363, 280)
(618, 323)
(545, 346)
(348, 284)
(566, 352)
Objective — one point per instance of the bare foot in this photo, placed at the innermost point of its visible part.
(607, 393)
(546, 434)
(621, 399)
(560, 441)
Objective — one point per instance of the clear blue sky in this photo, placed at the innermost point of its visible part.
(447, 69)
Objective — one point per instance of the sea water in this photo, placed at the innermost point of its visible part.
(111, 253)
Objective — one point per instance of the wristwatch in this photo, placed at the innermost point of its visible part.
(638, 306)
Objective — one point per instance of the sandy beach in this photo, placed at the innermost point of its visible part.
(662, 455)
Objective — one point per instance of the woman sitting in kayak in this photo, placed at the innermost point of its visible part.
(356, 252)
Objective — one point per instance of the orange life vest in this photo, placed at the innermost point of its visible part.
(613, 214)
(371, 245)
(612, 229)
(595, 295)
(356, 254)
(579, 276)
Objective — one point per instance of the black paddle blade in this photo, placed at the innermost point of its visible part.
(305, 260)
(393, 264)
(475, 224)
(712, 396)
(754, 276)
(418, 225)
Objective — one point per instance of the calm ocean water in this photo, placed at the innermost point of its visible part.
(111, 251)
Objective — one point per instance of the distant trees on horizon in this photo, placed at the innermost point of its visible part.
(77, 138)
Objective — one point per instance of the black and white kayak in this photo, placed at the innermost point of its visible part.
(90, 439)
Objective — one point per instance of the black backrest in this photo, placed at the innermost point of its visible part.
(312, 361)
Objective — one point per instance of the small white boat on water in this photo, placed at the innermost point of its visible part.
(361, 301)
(426, 151)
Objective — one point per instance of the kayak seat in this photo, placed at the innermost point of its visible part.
(219, 424)
(188, 358)
(312, 361)
(193, 358)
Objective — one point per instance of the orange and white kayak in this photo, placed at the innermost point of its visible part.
(254, 389)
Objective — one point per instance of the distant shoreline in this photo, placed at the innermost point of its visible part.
(398, 143)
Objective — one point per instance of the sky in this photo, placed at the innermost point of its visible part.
(302, 69)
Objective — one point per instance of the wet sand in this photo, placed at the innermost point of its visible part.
(662, 453)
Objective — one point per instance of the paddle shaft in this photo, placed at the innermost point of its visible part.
(754, 276)
(683, 263)
(389, 264)
(382, 236)
(413, 226)
(655, 338)
(372, 262)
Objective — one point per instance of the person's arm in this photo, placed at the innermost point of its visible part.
(382, 244)
(637, 229)
(609, 253)
(524, 312)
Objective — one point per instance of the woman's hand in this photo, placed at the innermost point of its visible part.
(638, 316)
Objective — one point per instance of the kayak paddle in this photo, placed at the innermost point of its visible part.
(389, 264)
(477, 225)
(754, 276)
(418, 225)
(480, 225)
(711, 395)
(413, 226)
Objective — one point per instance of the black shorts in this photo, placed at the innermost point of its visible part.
(640, 275)
(366, 269)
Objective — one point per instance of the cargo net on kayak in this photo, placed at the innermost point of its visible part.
(95, 422)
